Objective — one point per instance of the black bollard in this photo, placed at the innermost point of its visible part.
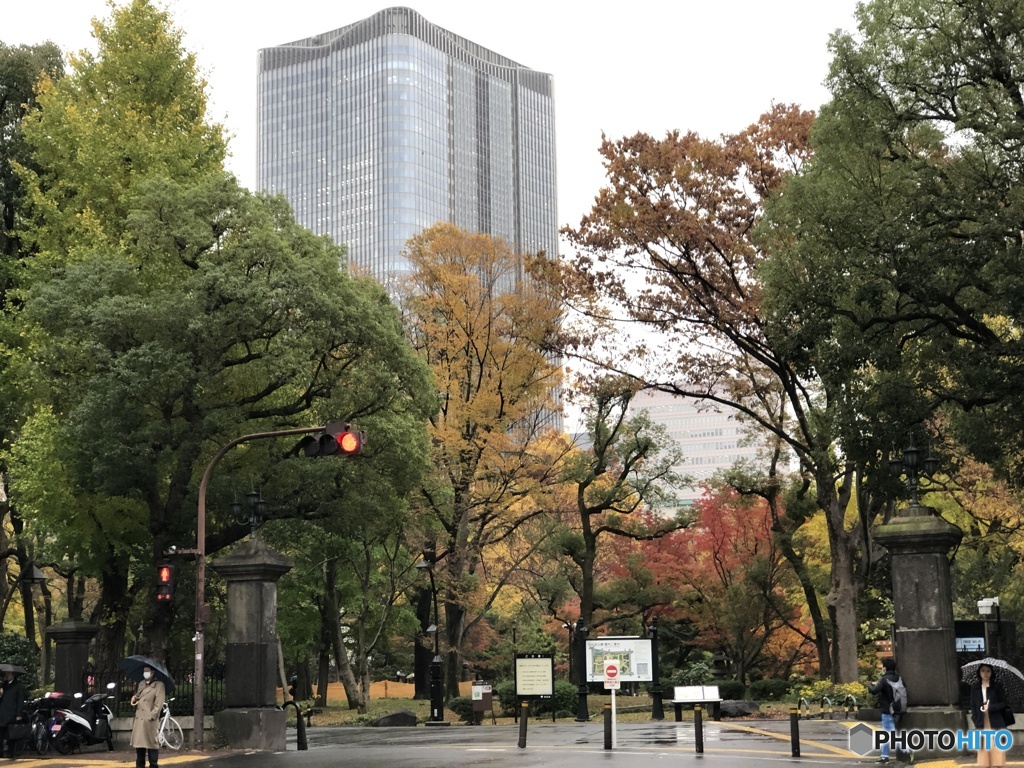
(524, 715)
(300, 728)
(698, 730)
(607, 726)
(794, 730)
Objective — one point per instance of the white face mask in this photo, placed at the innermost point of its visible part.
(147, 675)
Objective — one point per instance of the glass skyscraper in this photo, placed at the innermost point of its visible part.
(380, 129)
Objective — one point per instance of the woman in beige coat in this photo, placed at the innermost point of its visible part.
(148, 701)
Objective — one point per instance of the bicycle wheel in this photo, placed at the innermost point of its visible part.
(41, 737)
(170, 735)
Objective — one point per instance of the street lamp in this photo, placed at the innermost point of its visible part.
(910, 466)
(257, 511)
(436, 682)
(32, 576)
(572, 631)
(985, 606)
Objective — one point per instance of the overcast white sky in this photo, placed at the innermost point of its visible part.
(655, 65)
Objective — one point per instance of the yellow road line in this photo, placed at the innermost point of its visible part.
(786, 737)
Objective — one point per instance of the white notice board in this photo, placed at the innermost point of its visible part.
(633, 655)
(535, 675)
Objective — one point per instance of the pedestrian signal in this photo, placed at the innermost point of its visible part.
(164, 583)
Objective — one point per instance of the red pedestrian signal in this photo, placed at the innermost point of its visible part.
(337, 438)
(164, 583)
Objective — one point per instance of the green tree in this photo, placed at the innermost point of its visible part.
(20, 70)
(222, 317)
(133, 110)
(900, 243)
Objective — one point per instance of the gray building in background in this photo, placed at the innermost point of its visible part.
(380, 129)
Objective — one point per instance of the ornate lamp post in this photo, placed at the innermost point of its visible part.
(910, 466)
(256, 514)
(436, 668)
(657, 707)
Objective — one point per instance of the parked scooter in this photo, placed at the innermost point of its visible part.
(85, 725)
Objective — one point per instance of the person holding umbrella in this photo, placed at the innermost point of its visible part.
(11, 702)
(148, 701)
(989, 711)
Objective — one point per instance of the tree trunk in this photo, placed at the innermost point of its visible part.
(110, 616)
(454, 621)
(341, 659)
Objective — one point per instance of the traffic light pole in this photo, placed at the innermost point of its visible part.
(202, 609)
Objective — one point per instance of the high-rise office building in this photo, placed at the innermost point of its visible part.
(380, 129)
(711, 438)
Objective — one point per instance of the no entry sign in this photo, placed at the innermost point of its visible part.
(611, 674)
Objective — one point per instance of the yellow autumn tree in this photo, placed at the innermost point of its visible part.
(484, 318)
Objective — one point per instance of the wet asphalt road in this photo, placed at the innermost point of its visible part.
(561, 746)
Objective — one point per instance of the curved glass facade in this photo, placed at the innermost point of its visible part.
(378, 130)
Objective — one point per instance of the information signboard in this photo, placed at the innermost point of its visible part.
(632, 655)
(535, 675)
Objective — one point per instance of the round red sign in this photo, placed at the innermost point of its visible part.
(611, 671)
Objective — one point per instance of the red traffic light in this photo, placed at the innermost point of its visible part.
(338, 438)
(350, 443)
(164, 583)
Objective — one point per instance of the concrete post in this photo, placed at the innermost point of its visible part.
(252, 719)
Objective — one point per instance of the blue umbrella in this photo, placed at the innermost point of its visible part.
(134, 665)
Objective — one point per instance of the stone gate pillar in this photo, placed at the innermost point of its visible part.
(919, 542)
(71, 653)
(252, 719)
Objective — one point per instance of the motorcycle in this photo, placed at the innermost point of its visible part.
(41, 714)
(85, 725)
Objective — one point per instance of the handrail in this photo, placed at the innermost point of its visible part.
(822, 704)
(846, 702)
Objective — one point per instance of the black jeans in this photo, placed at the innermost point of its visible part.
(140, 757)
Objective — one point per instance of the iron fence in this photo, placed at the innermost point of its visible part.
(183, 695)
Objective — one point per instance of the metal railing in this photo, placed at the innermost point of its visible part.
(183, 704)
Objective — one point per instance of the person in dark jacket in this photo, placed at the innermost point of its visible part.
(883, 691)
(11, 703)
(988, 711)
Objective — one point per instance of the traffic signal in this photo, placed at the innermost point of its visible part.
(338, 438)
(164, 583)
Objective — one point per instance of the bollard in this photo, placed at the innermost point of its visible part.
(300, 728)
(524, 715)
(607, 726)
(846, 704)
(698, 730)
(794, 730)
(825, 700)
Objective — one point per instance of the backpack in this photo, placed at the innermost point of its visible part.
(899, 696)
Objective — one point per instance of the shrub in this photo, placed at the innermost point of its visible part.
(505, 693)
(837, 693)
(564, 699)
(463, 707)
(731, 689)
(769, 690)
(694, 673)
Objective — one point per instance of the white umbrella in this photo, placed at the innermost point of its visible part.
(1007, 675)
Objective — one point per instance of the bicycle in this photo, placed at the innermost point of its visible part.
(170, 734)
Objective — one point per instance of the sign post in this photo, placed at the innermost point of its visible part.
(612, 682)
